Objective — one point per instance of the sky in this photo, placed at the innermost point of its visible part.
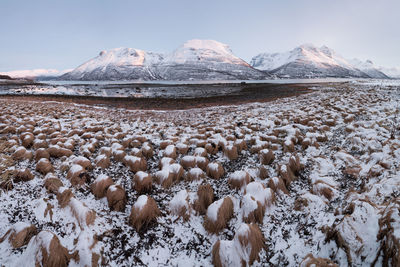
(64, 34)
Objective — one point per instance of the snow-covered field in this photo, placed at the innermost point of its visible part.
(318, 174)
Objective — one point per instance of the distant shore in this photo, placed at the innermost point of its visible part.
(240, 94)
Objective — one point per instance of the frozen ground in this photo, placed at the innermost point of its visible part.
(343, 205)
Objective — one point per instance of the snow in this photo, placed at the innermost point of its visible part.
(170, 149)
(212, 210)
(228, 254)
(249, 204)
(293, 227)
(179, 201)
(318, 57)
(101, 177)
(141, 175)
(35, 73)
(204, 50)
(75, 168)
(140, 202)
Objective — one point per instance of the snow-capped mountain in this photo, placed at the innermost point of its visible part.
(369, 68)
(310, 61)
(391, 72)
(35, 73)
(118, 63)
(194, 60)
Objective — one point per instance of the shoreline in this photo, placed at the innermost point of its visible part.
(247, 94)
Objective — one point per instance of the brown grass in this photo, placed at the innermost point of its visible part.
(21, 238)
(390, 243)
(254, 239)
(322, 189)
(266, 157)
(23, 176)
(225, 213)
(57, 256)
(311, 261)
(41, 153)
(287, 175)
(216, 259)
(243, 180)
(64, 197)
(58, 152)
(277, 185)
(205, 196)
(44, 166)
(231, 152)
(215, 173)
(99, 188)
(165, 182)
(84, 162)
(52, 184)
(143, 185)
(103, 162)
(294, 164)
(27, 139)
(257, 215)
(143, 217)
(263, 173)
(78, 178)
(116, 198)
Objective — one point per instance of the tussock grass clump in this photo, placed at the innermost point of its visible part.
(143, 182)
(135, 164)
(266, 156)
(64, 195)
(19, 234)
(100, 185)
(179, 205)
(231, 152)
(144, 211)
(48, 250)
(44, 166)
(243, 250)
(77, 175)
(164, 177)
(238, 179)
(215, 170)
(310, 261)
(205, 196)
(218, 214)
(22, 175)
(102, 161)
(52, 184)
(41, 153)
(116, 198)
(277, 185)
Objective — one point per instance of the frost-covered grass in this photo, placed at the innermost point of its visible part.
(340, 206)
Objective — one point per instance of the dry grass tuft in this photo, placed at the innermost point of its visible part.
(311, 261)
(205, 196)
(224, 214)
(142, 216)
(116, 198)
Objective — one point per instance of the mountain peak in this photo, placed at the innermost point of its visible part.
(207, 45)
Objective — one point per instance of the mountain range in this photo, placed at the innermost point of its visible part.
(309, 61)
(194, 60)
(212, 60)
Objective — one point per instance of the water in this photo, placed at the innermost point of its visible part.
(162, 89)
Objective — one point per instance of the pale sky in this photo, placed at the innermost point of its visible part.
(64, 34)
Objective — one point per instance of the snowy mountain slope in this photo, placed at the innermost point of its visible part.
(194, 60)
(118, 63)
(391, 72)
(369, 68)
(35, 73)
(310, 61)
